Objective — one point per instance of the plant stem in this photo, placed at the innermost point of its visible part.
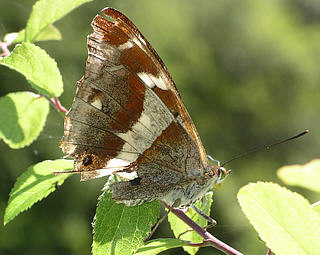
(56, 104)
(4, 48)
(59, 106)
(208, 238)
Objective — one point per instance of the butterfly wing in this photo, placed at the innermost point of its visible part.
(154, 73)
(127, 112)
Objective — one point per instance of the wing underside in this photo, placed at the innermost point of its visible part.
(128, 112)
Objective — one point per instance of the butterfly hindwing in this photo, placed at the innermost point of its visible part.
(168, 163)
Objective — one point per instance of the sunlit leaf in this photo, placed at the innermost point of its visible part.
(306, 176)
(283, 219)
(35, 184)
(178, 226)
(49, 33)
(37, 66)
(316, 207)
(119, 229)
(156, 246)
(46, 12)
(22, 118)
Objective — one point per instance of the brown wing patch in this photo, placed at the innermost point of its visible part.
(171, 162)
(125, 104)
(168, 98)
(156, 67)
(174, 149)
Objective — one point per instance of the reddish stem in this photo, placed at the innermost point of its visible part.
(208, 238)
(59, 106)
(56, 104)
(4, 48)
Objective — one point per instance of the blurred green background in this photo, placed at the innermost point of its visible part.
(248, 72)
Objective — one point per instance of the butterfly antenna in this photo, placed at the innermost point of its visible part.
(265, 147)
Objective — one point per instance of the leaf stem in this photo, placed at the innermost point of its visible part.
(208, 238)
(57, 104)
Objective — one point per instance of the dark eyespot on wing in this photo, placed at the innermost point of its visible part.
(135, 181)
(87, 160)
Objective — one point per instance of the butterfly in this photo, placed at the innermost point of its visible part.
(128, 119)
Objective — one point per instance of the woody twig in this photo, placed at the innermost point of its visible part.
(208, 239)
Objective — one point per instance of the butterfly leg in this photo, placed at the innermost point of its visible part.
(206, 217)
(184, 232)
(177, 202)
(156, 226)
(211, 221)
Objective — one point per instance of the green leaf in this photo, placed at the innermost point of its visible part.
(35, 184)
(22, 118)
(119, 229)
(156, 246)
(178, 226)
(49, 33)
(37, 66)
(306, 176)
(46, 12)
(316, 207)
(283, 219)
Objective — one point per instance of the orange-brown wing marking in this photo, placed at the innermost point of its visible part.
(147, 60)
(113, 114)
(124, 102)
(174, 149)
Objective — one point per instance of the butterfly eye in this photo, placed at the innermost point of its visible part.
(222, 173)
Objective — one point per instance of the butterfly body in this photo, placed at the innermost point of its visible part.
(164, 186)
(190, 193)
(128, 118)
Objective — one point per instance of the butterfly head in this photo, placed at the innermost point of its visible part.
(218, 172)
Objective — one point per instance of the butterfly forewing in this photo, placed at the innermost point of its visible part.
(127, 112)
(154, 72)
